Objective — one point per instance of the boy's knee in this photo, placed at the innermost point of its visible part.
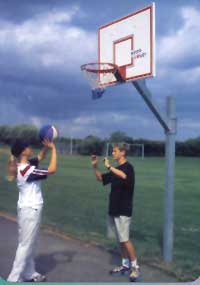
(125, 242)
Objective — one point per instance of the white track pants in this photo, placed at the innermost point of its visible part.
(29, 221)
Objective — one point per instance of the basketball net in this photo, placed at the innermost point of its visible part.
(98, 74)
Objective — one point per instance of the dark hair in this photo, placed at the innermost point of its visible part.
(18, 147)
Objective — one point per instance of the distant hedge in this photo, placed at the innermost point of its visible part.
(92, 144)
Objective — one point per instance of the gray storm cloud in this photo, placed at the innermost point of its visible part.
(41, 81)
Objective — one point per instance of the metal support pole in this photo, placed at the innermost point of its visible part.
(168, 232)
(107, 149)
(71, 145)
(142, 151)
(142, 89)
(169, 126)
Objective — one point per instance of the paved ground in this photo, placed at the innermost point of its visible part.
(68, 260)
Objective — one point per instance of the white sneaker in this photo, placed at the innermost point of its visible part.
(37, 278)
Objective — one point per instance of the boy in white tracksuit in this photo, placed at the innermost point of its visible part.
(29, 206)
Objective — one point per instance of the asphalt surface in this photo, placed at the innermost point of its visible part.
(68, 260)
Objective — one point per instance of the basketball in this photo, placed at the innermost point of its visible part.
(48, 132)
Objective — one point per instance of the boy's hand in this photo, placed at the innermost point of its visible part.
(106, 162)
(94, 160)
(48, 144)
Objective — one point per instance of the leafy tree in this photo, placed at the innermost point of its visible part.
(91, 145)
(119, 136)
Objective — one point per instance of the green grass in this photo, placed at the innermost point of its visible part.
(77, 204)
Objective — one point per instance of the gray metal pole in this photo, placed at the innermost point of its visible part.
(107, 149)
(169, 125)
(142, 89)
(142, 151)
(168, 232)
(71, 145)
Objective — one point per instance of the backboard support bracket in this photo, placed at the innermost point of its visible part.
(119, 76)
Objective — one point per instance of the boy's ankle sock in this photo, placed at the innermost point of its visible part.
(134, 263)
(125, 262)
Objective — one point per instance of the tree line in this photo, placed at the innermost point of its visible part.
(95, 145)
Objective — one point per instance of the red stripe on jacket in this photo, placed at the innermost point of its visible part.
(23, 172)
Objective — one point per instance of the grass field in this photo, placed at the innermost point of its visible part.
(77, 204)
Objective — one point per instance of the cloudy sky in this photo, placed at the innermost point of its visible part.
(44, 42)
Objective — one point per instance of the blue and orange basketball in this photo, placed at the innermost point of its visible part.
(48, 132)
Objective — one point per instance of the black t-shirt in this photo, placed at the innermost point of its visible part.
(121, 195)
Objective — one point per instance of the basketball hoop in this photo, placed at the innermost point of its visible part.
(98, 76)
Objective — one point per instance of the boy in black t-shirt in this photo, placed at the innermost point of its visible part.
(122, 180)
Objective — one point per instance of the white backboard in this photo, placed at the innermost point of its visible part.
(129, 42)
